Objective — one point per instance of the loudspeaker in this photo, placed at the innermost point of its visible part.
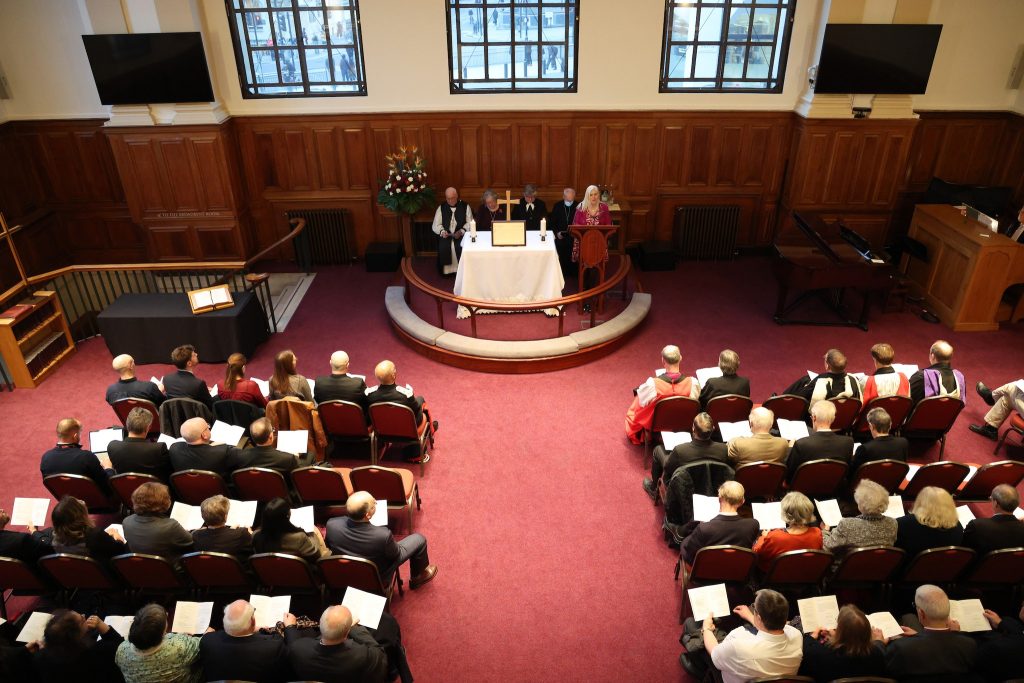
(1017, 72)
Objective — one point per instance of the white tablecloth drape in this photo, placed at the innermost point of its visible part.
(509, 274)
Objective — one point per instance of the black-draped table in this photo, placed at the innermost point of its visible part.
(149, 326)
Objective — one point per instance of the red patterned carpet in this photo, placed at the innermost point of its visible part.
(552, 565)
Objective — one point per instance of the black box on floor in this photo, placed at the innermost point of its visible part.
(656, 255)
(383, 257)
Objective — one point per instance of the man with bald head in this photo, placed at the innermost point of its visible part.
(930, 649)
(354, 535)
(669, 382)
(761, 445)
(450, 224)
(265, 453)
(240, 652)
(197, 453)
(68, 456)
(345, 651)
(939, 378)
(822, 443)
(128, 386)
(389, 391)
(340, 385)
(728, 528)
(1002, 529)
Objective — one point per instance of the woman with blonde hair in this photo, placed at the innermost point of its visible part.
(237, 387)
(870, 527)
(933, 523)
(847, 650)
(286, 381)
(798, 514)
(590, 211)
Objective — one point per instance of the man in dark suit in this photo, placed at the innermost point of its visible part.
(1002, 529)
(388, 391)
(822, 443)
(197, 453)
(25, 547)
(215, 536)
(728, 383)
(930, 650)
(559, 221)
(183, 383)
(240, 652)
(1001, 656)
(265, 455)
(530, 208)
(68, 456)
(728, 528)
(137, 453)
(339, 385)
(700, 447)
(882, 445)
(354, 535)
(344, 651)
(129, 386)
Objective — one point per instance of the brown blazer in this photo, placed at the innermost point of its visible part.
(746, 449)
(291, 413)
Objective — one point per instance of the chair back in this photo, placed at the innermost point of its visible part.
(394, 422)
(944, 474)
(787, 407)
(937, 565)
(888, 474)
(79, 486)
(383, 483)
(674, 414)
(729, 408)
(124, 485)
(723, 564)
(979, 487)
(215, 570)
(319, 485)
(259, 483)
(124, 406)
(932, 417)
(761, 479)
(898, 408)
(817, 478)
(343, 419)
(847, 410)
(282, 571)
(77, 572)
(707, 475)
(871, 564)
(195, 486)
(146, 572)
(19, 576)
(798, 567)
(342, 571)
(999, 567)
(238, 413)
(174, 412)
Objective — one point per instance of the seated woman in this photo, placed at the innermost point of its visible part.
(150, 530)
(75, 533)
(285, 381)
(797, 513)
(846, 650)
(77, 649)
(21, 546)
(590, 211)
(153, 654)
(216, 536)
(236, 387)
(279, 535)
(870, 527)
(934, 523)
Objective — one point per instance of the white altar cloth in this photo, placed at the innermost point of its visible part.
(509, 274)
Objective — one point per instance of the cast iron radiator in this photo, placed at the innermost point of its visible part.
(705, 232)
(329, 234)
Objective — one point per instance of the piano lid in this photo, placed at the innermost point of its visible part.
(815, 244)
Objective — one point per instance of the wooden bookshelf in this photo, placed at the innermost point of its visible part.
(36, 340)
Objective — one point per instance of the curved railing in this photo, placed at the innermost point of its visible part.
(474, 306)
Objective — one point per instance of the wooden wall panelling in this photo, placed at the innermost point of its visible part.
(103, 236)
(671, 153)
(617, 138)
(641, 169)
(529, 143)
(499, 157)
(21, 190)
(557, 152)
(40, 245)
(701, 156)
(588, 156)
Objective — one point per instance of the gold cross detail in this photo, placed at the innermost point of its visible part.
(508, 204)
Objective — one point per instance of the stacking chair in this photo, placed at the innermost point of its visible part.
(787, 407)
(124, 406)
(73, 573)
(397, 486)
(19, 578)
(938, 566)
(888, 474)
(819, 478)
(800, 569)
(898, 408)
(216, 572)
(945, 474)
(978, 488)
(175, 411)
(285, 573)
(147, 574)
(395, 425)
(998, 569)
(260, 483)
(345, 422)
(847, 411)
(124, 485)
(238, 413)
(729, 408)
(932, 419)
(81, 487)
(729, 564)
(761, 479)
(1016, 425)
(342, 571)
(195, 486)
(871, 567)
(325, 488)
(671, 414)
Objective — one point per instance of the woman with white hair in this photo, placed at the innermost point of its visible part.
(934, 523)
(799, 534)
(870, 527)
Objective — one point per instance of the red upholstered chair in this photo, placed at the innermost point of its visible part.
(729, 564)
(787, 407)
(888, 474)
(147, 574)
(325, 488)
(819, 478)
(195, 486)
(898, 408)
(868, 567)
(18, 578)
(761, 479)
(998, 568)
(73, 573)
(124, 406)
(978, 488)
(260, 483)
(285, 573)
(175, 411)
(345, 422)
(395, 424)
(939, 566)
(81, 487)
(932, 418)
(395, 485)
(341, 571)
(1015, 425)
(798, 568)
(124, 485)
(729, 408)
(671, 414)
(847, 411)
(945, 474)
(216, 572)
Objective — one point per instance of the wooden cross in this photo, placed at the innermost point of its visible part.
(508, 204)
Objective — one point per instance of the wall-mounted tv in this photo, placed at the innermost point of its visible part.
(149, 68)
(889, 59)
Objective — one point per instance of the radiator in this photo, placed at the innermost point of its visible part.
(706, 232)
(329, 234)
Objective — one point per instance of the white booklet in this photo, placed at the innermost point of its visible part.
(295, 441)
(405, 391)
(886, 623)
(120, 624)
(969, 614)
(119, 528)
(704, 374)
(188, 516)
(29, 511)
(303, 518)
(895, 509)
(100, 439)
(380, 515)
(263, 384)
(222, 432)
(1019, 513)
(768, 515)
(366, 607)
(964, 514)
(704, 507)
(673, 439)
(214, 390)
(906, 368)
(158, 382)
(707, 600)
(820, 612)
(192, 617)
(34, 627)
(911, 471)
(646, 392)
(311, 383)
(730, 430)
(828, 511)
(791, 430)
(169, 440)
(270, 610)
(241, 513)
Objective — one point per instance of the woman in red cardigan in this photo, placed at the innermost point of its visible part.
(236, 387)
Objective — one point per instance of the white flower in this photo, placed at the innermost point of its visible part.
(398, 189)
(424, 174)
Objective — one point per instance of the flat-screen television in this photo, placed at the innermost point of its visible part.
(887, 59)
(149, 68)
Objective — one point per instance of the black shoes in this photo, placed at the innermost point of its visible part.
(690, 667)
(985, 393)
(987, 431)
(651, 488)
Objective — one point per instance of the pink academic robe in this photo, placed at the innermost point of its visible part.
(638, 418)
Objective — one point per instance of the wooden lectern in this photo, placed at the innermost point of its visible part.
(593, 252)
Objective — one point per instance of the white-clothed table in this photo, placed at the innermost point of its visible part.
(509, 275)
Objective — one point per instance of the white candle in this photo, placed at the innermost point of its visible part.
(543, 227)
(472, 229)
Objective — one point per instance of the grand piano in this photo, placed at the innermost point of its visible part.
(822, 260)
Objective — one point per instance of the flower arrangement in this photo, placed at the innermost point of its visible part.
(405, 190)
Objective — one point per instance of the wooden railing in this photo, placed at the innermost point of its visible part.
(474, 306)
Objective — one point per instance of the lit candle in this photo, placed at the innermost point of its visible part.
(472, 230)
(543, 227)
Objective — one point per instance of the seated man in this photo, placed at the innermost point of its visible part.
(671, 382)
(242, 653)
(822, 442)
(728, 383)
(1001, 657)
(183, 383)
(128, 386)
(885, 381)
(136, 453)
(1002, 529)
(930, 650)
(560, 220)
(344, 651)
(701, 447)
(354, 535)
(388, 391)
(21, 546)
(761, 445)
(530, 208)
(216, 536)
(264, 454)
(833, 383)
(938, 379)
(68, 456)
(451, 221)
(1003, 401)
(728, 528)
(339, 385)
(197, 453)
(882, 445)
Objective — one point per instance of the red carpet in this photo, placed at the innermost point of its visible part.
(552, 565)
